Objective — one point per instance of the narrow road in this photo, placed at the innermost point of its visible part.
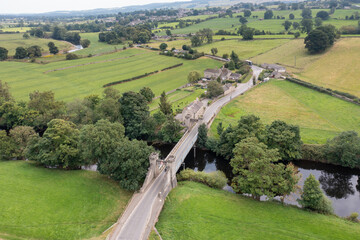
(135, 226)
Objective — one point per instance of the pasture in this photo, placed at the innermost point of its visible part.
(39, 203)
(12, 41)
(79, 78)
(245, 49)
(195, 211)
(97, 47)
(318, 115)
(338, 68)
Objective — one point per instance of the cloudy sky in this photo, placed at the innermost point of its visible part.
(40, 6)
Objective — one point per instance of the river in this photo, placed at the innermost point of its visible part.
(341, 185)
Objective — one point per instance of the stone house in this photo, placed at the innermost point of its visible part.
(193, 112)
(228, 88)
(223, 73)
(274, 67)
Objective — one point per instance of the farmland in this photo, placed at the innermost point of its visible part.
(79, 78)
(337, 68)
(195, 211)
(12, 41)
(318, 115)
(39, 203)
(97, 47)
(245, 49)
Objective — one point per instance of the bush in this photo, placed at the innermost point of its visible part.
(313, 152)
(71, 56)
(353, 217)
(214, 179)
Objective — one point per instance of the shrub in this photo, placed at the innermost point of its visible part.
(313, 152)
(214, 179)
(71, 56)
(353, 217)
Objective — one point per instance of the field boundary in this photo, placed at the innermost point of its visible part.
(85, 64)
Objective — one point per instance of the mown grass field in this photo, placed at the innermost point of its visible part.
(338, 68)
(195, 211)
(39, 203)
(12, 41)
(318, 115)
(86, 76)
(245, 49)
(15, 29)
(97, 47)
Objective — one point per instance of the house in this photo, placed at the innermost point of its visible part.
(274, 67)
(223, 73)
(235, 76)
(212, 73)
(275, 74)
(228, 88)
(193, 112)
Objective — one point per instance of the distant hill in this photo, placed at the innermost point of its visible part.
(180, 4)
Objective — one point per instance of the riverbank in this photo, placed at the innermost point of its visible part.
(195, 211)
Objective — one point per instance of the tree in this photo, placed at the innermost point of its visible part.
(71, 56)
(205, 34)
(135, 112)
(214, 51)
(21, 135)
(5, 95)
(26, 36)
(163, 46)
(73, 37)
(85, 43)
(257, 171)
(58, 147)
(52, 48)
(287, 25)
(306, 25)
(296, 25)
(284, 137)
(194, 77)
(296, 34)
(34, 51)
(165, 106)
(20, 53)
(291, 16)
(344, 149)
(195, 41)
(97, 142)
(170, 131)
(317, 41)
(147, 93)
(234, 57)
(202, 136)
(248, 126)
(7, 146)
(248, 34)
(282, 6)
(318, 22)
(306, 13)
(330, 31)
(294, 6)
(313, 198)
(247, 13)
(268, 14)
(59, 33)
(128, 163)
(324, 15)
(168, 32)
(243, 20)
(3, 54)
(214, 89)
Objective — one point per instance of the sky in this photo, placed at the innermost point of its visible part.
(40, 6)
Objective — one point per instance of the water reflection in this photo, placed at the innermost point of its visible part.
(336, 185)
(341, 185)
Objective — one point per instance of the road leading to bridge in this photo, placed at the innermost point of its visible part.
(139, 222)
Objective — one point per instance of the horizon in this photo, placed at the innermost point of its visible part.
(43, 6)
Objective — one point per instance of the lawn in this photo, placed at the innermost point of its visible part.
(86, 76)
(338, 68)
(195, 211)
(97, 47)
(39, 203)
(12, 41)
(318, 115)
(245, 49)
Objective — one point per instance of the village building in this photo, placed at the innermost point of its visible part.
(193, 112)
(228, 88)
(223, 73)
(274, 67)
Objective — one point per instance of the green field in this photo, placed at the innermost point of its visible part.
(97, 47)
(338, 68)
(12, 41)
(195, 211)
(15, 29)
(179, 99)
(171, 44)
(39, 203)
(245, 49)
(87, 76)
(318, 115)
